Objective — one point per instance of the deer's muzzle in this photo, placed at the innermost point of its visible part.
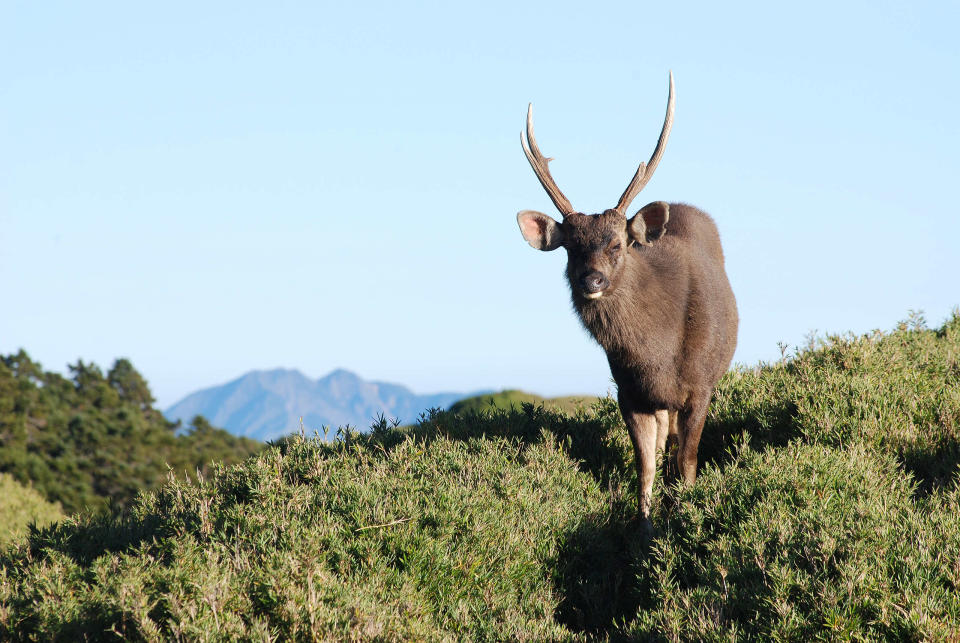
(593, 284)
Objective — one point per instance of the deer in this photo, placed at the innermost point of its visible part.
(653, 292)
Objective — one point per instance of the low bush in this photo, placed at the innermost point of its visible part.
(803, 543)
(427, 539)
(895, 393)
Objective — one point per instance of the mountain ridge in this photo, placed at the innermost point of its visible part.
(269, 403)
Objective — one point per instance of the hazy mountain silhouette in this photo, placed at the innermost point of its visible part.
(269, 404)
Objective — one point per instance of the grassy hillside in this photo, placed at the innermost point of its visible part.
(21, 506)
(827, 509)
(514, 399)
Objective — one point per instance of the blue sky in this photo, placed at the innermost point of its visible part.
(209, 188)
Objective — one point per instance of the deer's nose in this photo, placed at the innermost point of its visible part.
(594, 281)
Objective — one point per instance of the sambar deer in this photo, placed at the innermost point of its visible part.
(653, 292)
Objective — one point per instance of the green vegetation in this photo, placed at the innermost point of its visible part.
(513, 399)
(94, 439)
(21, 506)
(802, 543)
(826, 509)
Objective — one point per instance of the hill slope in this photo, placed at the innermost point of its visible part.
(825, 510)
(515, 399)
(269, 404)
(21, 506)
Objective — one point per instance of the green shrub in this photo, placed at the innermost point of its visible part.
(804, 543)
(433, 539)
(896, 393)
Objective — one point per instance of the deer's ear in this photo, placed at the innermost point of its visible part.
(649, 223)
(540, 231)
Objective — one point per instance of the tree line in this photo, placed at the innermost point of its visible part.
(93, 440)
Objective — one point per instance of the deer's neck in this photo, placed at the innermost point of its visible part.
(640, 319)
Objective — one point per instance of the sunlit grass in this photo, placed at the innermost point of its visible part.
(21, 506)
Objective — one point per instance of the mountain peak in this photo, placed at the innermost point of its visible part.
(270, 373)
(341, 374)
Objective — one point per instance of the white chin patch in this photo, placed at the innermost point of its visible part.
(593, 295)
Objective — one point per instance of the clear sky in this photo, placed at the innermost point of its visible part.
(208, 188)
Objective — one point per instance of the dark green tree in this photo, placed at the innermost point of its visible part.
(129, 384)
(91, 441)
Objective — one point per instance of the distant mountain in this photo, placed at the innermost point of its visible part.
(269, 404)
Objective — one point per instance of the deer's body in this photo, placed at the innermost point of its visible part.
(653, 292)
(670, 327)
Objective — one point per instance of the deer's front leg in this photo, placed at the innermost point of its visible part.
(643, 434)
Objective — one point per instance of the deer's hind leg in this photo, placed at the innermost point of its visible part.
(663, 429)
(667, 441)
(690, 425)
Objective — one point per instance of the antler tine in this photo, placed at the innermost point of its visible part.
(539, 165)
(645, 171)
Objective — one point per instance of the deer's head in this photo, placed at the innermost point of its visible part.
(597, 244)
